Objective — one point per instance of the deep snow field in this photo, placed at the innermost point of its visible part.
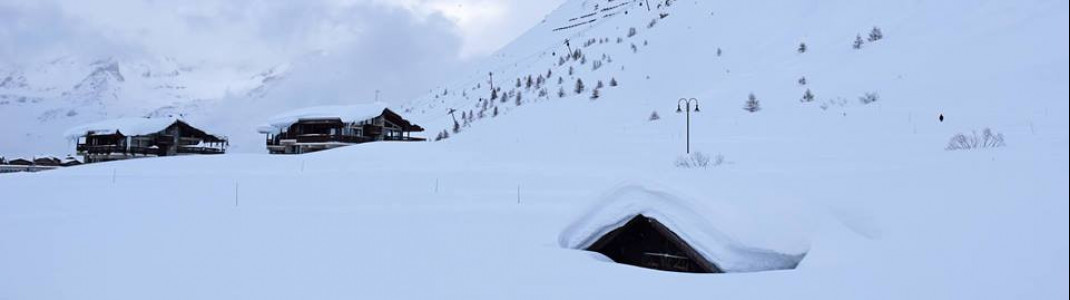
(868, 192)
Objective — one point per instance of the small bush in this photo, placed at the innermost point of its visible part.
(869, 98)
(987, 139)
(654, 116)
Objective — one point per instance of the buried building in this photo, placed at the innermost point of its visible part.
(119, 139)
(320, 128)
(655, 230)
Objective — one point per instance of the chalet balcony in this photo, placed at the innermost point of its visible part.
(322, 138)
(404, 139)
(199, 150)
(118, 149)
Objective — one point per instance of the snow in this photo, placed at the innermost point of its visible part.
(867, 192)
(696, 226)
(126, 126)
(347, 113)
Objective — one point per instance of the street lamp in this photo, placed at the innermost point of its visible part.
(684, 106)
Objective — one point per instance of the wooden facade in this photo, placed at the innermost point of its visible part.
(315, 134)
(177, 139)
(645, 242)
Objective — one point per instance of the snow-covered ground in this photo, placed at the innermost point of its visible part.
(868, 192)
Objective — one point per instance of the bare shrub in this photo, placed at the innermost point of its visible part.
(699, 160)
(987, 139)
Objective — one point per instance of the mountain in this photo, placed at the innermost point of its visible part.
(856, 175)
(41, 101)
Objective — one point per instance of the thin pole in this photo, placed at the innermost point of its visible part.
(688, 128)
(235, 193)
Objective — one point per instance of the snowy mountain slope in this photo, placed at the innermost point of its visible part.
(866, 190)
(41, 101)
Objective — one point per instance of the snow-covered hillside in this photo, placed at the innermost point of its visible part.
(39, 102)
(867, 191)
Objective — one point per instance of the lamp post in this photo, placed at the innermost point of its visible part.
(684, 106)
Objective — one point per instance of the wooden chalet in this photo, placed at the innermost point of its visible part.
(320, 128)
(20, 162)
(143, 137)
(645, 242)
(47, 161)
(657, 230)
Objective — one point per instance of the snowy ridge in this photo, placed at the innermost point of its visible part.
(695, 225)
(41, 101)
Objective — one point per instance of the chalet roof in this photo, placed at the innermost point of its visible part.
(345, 113)
(715, 244)
(126, 126)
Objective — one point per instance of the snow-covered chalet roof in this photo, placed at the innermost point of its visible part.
(346, 113)
(126, 126)
(682, 218)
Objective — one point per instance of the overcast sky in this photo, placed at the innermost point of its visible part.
(251, 29)
(365, 44)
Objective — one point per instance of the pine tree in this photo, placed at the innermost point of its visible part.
(495, 114)
(752, 104)
(579, 86)
(456, 126)
(561, 93)
(875, 34)
(518, 83)
(571, 70)
(529, 83)
(595, 94)
(802, 80)
(808, 96)
(613, 82)
(599, 85)
(518, 99)
(654, 116)
(718, 52)
(802, 48)
(858, 42)
(494, 94)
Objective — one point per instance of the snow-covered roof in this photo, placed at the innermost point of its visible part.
(713, 243)
(346, 113)
(126, 126)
